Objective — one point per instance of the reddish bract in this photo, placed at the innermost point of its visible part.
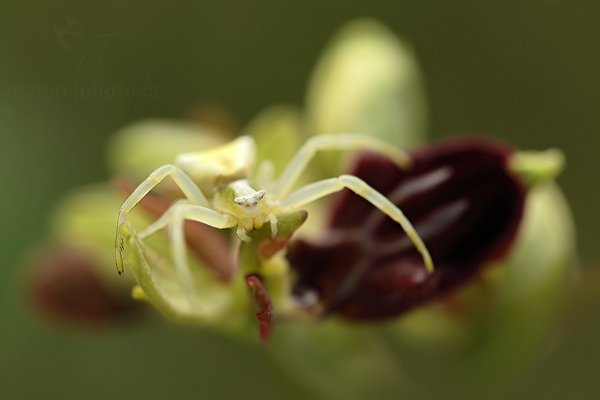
(265, 312)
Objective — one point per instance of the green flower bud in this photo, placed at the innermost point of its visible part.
(278, 135)
(137, 149)
(368, 81)
(484, 337)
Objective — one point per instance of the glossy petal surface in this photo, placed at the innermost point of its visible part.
(461, 198)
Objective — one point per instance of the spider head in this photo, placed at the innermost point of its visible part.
(250, 202)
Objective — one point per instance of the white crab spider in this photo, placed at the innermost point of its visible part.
(229, 199)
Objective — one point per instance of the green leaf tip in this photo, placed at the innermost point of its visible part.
(268, 246)
(536, 167)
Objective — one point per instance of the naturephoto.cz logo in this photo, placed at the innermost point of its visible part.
(86, 92)
(87, 51)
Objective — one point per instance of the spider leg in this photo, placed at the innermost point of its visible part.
(265, 174)
(161, 222)
(178, 214)
(241, 234)
(185, 183)
(344, 141)
(326, 187)
(273, 223)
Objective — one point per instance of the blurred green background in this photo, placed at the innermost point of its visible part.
(525, 71)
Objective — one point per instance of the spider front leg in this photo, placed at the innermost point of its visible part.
(344, 141)
(316, 190)
(183, 181)
(162, 221)
(176, 216)
(273, 223)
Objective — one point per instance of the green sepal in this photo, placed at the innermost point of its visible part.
(204, 299)
(508, 316)
(139, 148)
(367, 81)
(256, 253)
(262, 256)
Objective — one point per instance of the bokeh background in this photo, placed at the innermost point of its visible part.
(525, 71)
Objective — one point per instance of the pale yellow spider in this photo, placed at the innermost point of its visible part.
(229, 199)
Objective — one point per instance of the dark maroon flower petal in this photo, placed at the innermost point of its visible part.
(65, 285)
(461, 198)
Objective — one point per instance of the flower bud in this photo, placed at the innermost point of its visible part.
(65, 284)
(368, 80)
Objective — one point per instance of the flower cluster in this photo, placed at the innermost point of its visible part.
(490, 215)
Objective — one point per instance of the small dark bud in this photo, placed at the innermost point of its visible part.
(65, 285)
